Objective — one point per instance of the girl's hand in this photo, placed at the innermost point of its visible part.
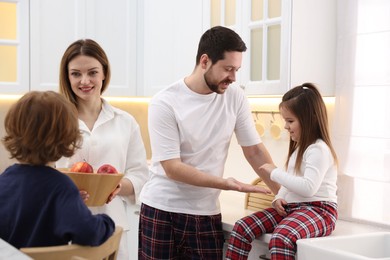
(265, 172)
(84, 195)
(114, 193)
(279, 206)
(267, 168)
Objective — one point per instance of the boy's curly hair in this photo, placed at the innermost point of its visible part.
(41, 127)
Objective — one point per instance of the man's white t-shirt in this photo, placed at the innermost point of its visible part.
(197, 129)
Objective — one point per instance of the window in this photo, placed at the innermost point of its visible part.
(14, 62)
(8, 51)
(264, 25)
(362, 123)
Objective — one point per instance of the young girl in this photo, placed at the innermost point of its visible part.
(306, 204)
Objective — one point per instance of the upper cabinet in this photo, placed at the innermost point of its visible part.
(289, 42)
(264, 25)
(111, 24)
(152, 43)
(14, 47)
(149, 43)
(167, 40)
(313, 44)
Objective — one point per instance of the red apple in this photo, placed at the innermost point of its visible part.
(83, 167)
(107, 168)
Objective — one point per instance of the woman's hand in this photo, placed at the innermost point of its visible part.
(114, 193)
(279, 205)
(84, 195)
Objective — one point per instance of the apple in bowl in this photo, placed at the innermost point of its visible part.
(83, 167)
(107, 168)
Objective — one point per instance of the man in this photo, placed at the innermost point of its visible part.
(191, 124)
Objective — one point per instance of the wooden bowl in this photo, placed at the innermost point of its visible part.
(98, 185)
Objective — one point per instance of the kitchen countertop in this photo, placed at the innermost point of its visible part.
(233, 209)
(7, 251)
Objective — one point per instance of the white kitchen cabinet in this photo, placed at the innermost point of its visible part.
(313, 44)
(133, 215)
(308, 48)
(14, 47)
(56, 24)
(151, 43)
(167, 39)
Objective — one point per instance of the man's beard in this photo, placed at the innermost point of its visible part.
(212, 86)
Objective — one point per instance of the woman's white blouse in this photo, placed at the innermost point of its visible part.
(114, 139)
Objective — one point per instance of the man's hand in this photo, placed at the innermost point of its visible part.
(233, 184)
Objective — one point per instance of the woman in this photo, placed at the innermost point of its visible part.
(110, 135)
(306, 204)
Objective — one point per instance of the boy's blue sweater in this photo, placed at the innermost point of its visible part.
(40, 206)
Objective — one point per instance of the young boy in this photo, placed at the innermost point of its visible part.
(40, 206)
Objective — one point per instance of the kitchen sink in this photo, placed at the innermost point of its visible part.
(375, 245)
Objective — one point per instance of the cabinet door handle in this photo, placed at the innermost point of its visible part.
(264, 257)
